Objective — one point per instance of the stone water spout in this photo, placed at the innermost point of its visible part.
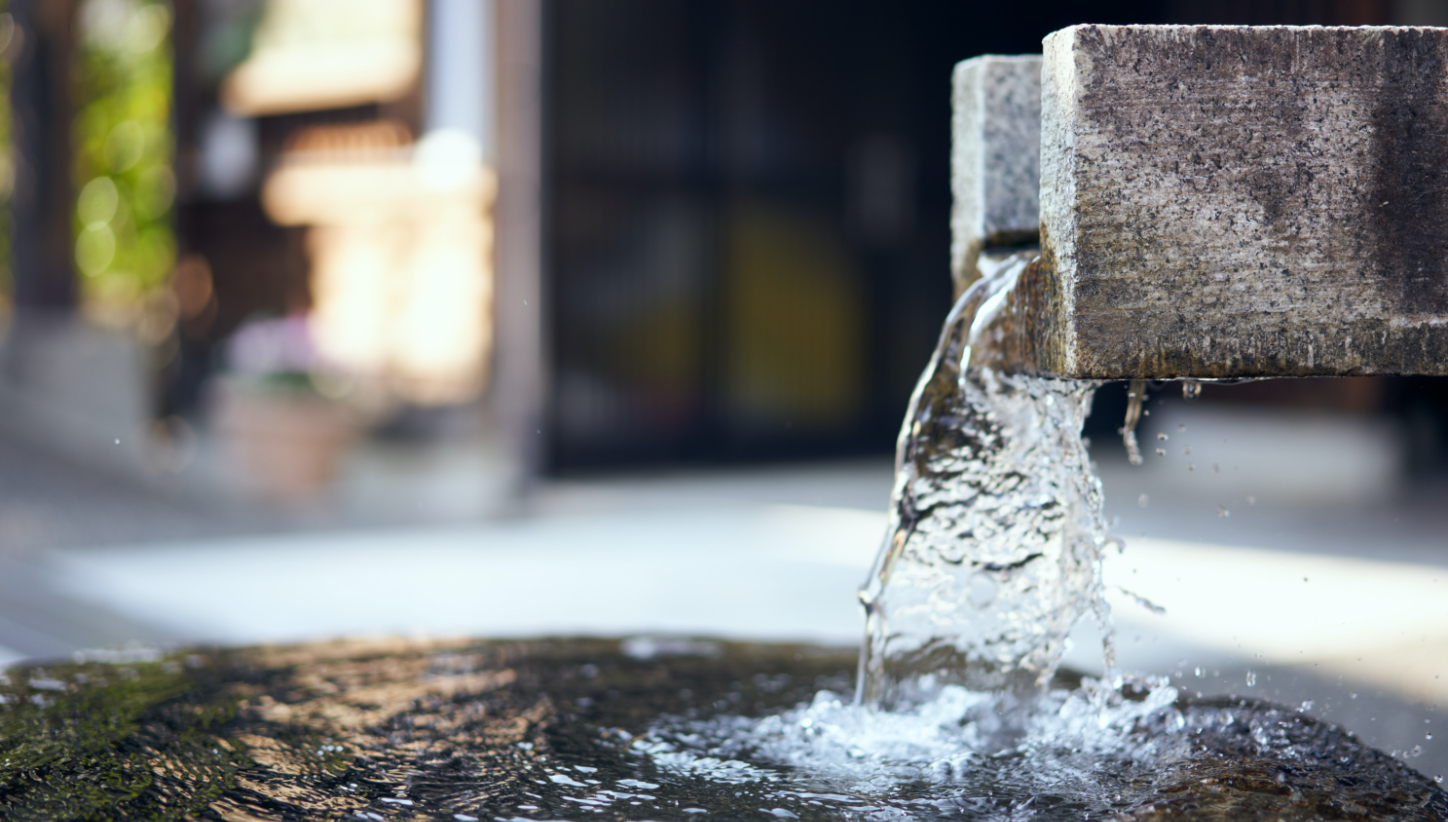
(1211, 202)
(1142, 203)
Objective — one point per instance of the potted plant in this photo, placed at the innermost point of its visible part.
(283, 418)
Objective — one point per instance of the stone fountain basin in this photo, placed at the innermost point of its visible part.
(468, 730)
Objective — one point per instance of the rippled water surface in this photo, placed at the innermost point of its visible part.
(647, 730)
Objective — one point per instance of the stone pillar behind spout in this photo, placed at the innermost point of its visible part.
(995, 159)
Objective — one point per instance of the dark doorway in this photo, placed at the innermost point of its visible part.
(747, 218)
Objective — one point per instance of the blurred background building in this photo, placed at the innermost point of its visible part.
(258, 236)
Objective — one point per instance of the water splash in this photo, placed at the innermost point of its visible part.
(993, 550)
(1127, 749)
(961, 742)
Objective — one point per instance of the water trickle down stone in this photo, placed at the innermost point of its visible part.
(993, 549)
(1135, 398)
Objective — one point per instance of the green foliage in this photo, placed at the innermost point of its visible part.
(125, 246)
(97, 741)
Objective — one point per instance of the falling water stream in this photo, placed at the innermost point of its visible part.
(993, 550)
(956, 711)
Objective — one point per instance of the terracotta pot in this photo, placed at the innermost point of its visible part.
(284, 443)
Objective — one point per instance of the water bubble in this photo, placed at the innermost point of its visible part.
(1191, 389)
(1160, 452)
(1223, 513)
(1181, 428)
(1251, 679)
(1162, 437)
(1216, 469)
(1251, 500)
(1192, 467)
(1186, 449)
(1305, 706)
(1143, 500)
(1198, 671)
(1416, 751)
(1438, 779)
(1427, 736)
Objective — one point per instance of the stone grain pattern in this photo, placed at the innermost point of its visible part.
(1241, 201)
(995, 162)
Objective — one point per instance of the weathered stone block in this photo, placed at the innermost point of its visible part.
(1231, 202)
(995, 158)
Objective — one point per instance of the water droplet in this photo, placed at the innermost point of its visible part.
(1192, 467)
(1222, 512)
(1143, 500)
(1251, 679)
(1352, 696)
(1160, 452)
(1162, 437)
(118, 440)
(1186, 449)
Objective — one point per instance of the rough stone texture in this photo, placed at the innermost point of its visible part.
(1234, 201)
(995, 158)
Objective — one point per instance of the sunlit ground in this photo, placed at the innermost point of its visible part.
(1301, 570)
